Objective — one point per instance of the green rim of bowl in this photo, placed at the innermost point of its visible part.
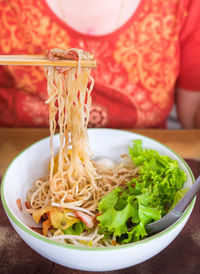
(47, 240)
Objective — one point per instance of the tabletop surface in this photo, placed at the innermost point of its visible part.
(181, 256)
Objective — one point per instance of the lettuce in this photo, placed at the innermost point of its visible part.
(179, 195)
(75, 229)
(146, 198)
(115, 220)
(158, 171)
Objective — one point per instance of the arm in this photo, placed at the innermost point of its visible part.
(188, 108)
(188, 92)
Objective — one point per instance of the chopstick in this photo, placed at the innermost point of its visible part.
(41, 60)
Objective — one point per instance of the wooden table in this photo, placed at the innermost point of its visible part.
(182, 256)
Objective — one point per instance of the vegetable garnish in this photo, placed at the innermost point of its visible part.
(146, 198)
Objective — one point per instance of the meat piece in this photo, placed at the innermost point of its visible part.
(37, 229)
(57, 54)
(19, 204)
(88, 220)
(28, 205)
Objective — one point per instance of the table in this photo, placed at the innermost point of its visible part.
(182, 256)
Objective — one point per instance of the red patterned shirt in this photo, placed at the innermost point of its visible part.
(139, 64)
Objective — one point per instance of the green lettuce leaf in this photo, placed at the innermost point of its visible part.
(158, 171)
(109, 200)
(138, 232)
(113, 220)
(178, 196)
(146, 198)
(75, 229)
(148, 214)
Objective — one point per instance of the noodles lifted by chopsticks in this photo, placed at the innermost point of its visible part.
(69, 98)
(72, 175)
(75, 184)
(73, 181)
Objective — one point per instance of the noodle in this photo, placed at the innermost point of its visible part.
(69, 101)
(74, 181)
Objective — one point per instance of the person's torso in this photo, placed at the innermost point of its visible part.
(137, 65)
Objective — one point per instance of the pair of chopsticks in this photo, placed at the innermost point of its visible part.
(41, 60)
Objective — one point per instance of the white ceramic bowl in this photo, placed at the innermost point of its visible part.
(33, 163)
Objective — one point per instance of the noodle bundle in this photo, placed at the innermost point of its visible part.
(73, 180)
(75, 184)
(70, 99)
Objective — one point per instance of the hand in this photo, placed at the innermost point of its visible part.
(188, 108)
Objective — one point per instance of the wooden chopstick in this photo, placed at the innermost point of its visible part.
(41, 60)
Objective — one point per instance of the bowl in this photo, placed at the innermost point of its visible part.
(32, 163)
